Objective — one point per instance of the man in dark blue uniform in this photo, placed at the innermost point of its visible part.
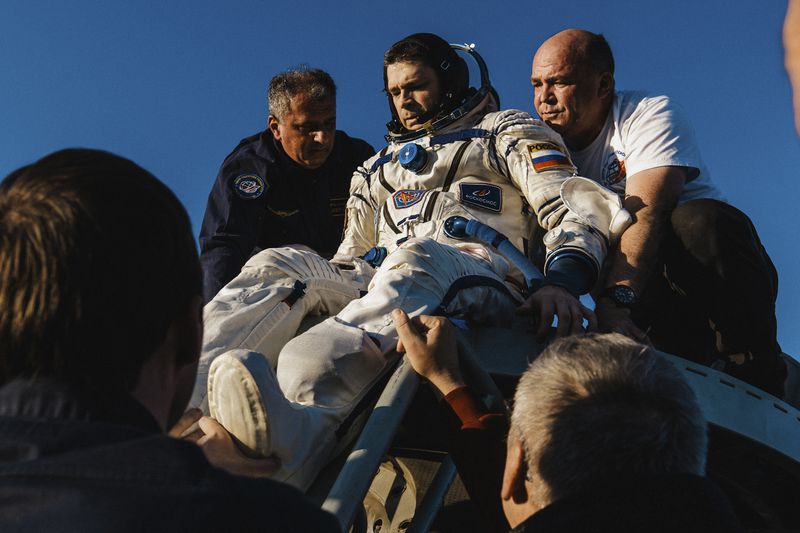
(286, 185)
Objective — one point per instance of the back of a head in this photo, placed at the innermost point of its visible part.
(97, 259)
(597, 408)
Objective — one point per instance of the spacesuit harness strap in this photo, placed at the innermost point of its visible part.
(445, 138)
(473, 133)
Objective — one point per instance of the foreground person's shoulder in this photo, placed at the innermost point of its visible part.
(253, 504)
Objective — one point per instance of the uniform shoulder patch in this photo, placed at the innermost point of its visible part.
(407, 197)
(249, 186)
(483, 195)
(548, 156)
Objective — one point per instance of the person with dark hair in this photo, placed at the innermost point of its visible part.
(285, 185)
(452, 162)
(100, 333)
(605, 436)
(690, 274)
(451, 71)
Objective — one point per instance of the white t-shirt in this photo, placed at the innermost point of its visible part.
(643, 132)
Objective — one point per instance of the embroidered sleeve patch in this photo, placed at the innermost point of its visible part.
(548, 156)
(407, 197)
(249, 186)
(483, 195)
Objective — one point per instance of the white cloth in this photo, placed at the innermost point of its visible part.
(643, 132)
(250, 313)
(323, 373)
(509, 180)
(504, 175)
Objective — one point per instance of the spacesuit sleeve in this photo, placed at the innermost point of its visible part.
(233, 218)
(538, 163)
(359, 228)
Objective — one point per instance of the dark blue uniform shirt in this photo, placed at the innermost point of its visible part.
(262, 199)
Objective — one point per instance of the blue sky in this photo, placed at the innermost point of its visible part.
(175, 85)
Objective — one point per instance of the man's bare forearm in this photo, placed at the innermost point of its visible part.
(651, 196)
(633, 261)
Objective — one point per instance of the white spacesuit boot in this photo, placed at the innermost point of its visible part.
(330, 367)
(240, 384)
(262, 308)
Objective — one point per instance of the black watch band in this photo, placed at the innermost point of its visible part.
(621, 295)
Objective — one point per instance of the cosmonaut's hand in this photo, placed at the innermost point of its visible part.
(429, 342)
(614, 319)
(218, 446)
(552, 300)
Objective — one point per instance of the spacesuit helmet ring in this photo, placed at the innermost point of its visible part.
(457, 98)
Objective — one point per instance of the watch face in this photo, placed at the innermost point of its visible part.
(624, 295)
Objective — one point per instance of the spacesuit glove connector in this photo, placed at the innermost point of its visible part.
(571, 270)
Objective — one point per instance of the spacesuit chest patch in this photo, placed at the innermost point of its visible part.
(483, 195)
(249, 186)
(407, 197)
(548, 156)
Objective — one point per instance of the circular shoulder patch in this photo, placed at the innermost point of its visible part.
(249, 186)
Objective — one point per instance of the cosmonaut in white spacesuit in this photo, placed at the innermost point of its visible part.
(450, 154)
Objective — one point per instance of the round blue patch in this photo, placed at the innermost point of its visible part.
(249, 186)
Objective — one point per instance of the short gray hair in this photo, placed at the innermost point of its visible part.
(597, 407)
(313, 82)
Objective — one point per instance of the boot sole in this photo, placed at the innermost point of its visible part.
(235, 401)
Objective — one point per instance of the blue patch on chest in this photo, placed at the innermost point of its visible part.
(407, 198)
(483, 195)
(249, 186)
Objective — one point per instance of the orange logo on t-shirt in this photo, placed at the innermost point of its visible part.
(614, 168)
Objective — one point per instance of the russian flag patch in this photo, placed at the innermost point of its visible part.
(548, 156)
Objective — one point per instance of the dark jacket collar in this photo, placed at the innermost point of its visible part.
(48, 398)
(669, 503)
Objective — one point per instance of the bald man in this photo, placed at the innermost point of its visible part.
(690, 274)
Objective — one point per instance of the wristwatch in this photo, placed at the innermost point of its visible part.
(621, 295)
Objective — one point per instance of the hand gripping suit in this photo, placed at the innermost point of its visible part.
(503, 169)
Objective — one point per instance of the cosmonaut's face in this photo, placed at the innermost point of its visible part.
(567, 96)
(306, 131)
(414, 89)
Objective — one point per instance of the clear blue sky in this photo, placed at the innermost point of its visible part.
(174, 85)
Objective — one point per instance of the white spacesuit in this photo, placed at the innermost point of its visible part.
(287, 396)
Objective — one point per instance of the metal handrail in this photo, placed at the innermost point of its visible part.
(356, 476)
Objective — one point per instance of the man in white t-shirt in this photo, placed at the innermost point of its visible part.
(690, 274)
